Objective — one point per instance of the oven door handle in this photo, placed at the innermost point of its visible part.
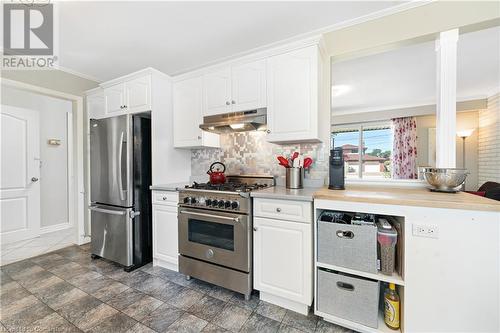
(235, 219)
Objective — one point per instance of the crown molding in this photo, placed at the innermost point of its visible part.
(77, 73)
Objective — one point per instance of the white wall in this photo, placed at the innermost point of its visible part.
(465, 120)
(489, 141)
(54, 170)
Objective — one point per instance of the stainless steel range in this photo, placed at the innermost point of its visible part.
(215, 231)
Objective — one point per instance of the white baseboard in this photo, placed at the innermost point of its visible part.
(284, 303)
(166, 264)
(55, 227)
(83, 240)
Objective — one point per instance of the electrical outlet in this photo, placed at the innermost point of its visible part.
(430, 231)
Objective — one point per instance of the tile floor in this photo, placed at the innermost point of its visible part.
(44, 243)
(67, 291)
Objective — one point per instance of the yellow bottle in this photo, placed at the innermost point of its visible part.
(391, 307)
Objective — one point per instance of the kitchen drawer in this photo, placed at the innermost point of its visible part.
(348, 297)
(299, 211)
(347, 245)
(168, 198)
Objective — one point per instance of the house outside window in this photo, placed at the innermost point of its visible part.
(367, 149)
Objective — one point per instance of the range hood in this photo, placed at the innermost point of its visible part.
(253, 120)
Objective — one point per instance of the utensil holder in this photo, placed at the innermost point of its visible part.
(294, 178)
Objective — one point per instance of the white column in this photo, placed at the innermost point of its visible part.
(446, 84)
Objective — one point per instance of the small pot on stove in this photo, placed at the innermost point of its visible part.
(216, 173)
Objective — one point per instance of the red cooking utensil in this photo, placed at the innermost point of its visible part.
(295, 155)
(283, 161)
(307, 162)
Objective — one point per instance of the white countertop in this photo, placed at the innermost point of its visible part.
(283, 193)
(169, 187)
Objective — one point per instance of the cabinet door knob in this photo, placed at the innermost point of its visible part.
(34, 179)
(278, 210)
(164, 198)
(233, 102)
(268, 131)
(254, 228)
(199, 137)
(227, 103)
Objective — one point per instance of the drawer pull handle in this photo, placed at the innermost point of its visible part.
(345, 234)
(278, 210)
(345, 286)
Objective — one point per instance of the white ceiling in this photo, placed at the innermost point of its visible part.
(407, 76)
(109, 39)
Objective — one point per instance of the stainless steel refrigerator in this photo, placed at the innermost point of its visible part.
(120, 174)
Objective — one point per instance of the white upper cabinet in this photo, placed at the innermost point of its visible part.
(188, 105)
(114, 99)
(217, 92)
(248, 86)
(95, 104)
(138, 94)
(293, 96)
(236, 88)
(131, 96)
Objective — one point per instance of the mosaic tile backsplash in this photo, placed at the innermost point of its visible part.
(250, 153)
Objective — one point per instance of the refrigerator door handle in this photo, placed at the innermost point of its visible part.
(134, 214)
(107, 211)
(120, 169)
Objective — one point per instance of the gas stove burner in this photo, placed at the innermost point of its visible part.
(229, 187)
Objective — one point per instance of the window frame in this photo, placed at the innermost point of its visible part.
(360, 127)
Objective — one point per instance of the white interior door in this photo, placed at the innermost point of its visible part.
(20, 173)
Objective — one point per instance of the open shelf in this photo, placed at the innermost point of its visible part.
(382, 327)
(394, 278)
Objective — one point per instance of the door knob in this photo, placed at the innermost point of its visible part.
(34, 179)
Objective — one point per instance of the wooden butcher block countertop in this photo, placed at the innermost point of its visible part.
(421, 197)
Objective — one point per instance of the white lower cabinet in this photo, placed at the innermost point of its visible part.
(283, 262)
(165, 243)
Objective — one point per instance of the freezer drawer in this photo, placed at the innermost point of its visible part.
(112, 234)
(348, 297)
(346, 245)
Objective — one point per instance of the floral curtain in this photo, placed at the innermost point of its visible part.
(404, 150)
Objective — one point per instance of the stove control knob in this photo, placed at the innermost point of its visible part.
(214, 203)
(187, 200)
(201, 200)
(194, 200)
(227, 204)
(221, 203)
(235, 205)
(208, 202)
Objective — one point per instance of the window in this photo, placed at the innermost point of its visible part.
(367, 149)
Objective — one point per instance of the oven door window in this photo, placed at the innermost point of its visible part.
(210, 233)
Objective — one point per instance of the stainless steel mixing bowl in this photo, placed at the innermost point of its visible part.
(445, 179)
